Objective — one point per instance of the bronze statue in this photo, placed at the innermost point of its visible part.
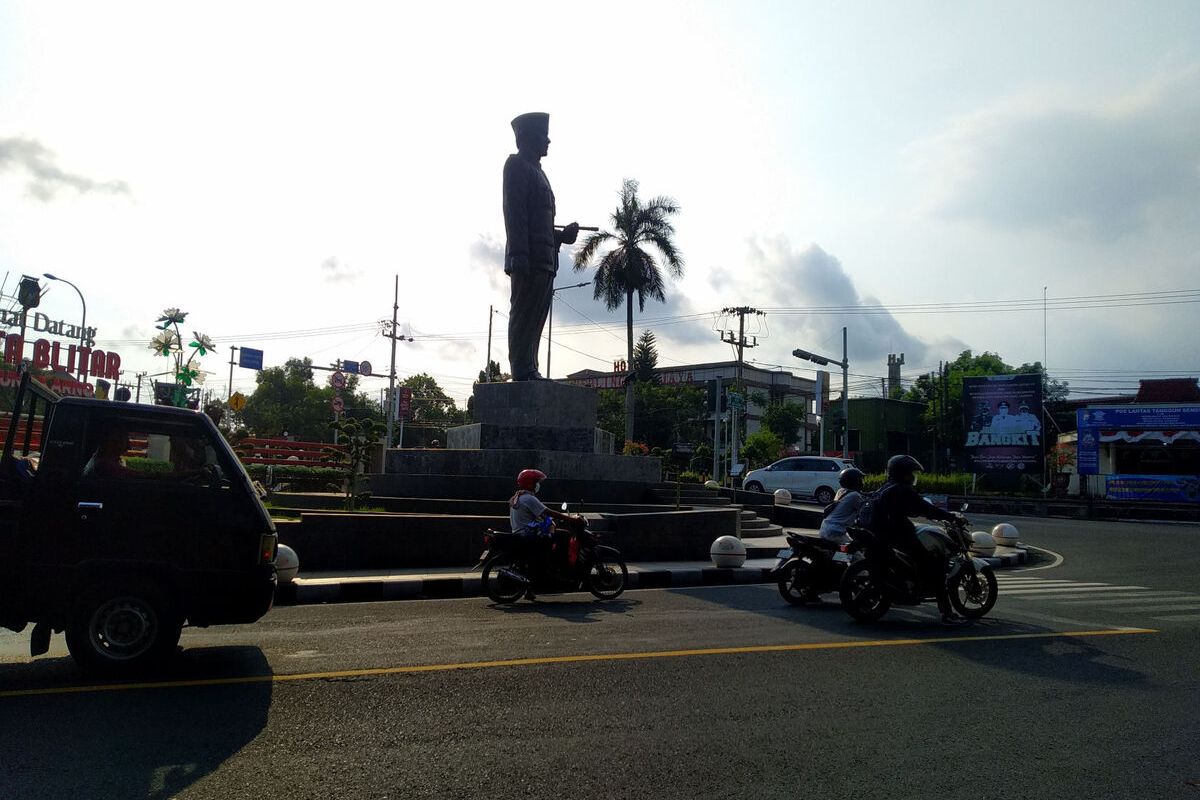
(531, 250)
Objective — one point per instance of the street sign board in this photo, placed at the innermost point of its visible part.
(404, 402)
(350, 366)
(237, 401)
(338, 380)
(364, 368)
(250, 358)
(338, 404)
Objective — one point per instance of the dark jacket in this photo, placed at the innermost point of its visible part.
(528, 218)
(894, 505)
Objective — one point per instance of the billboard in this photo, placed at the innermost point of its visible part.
(1002, 417)
(1165, 488)
(1093, 420)
(249, 358)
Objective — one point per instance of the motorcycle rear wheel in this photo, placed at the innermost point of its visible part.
(607, 576)
(974, 595)
(498, 582)
(794, 584)
(862, 597)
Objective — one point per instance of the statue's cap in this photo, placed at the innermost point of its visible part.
(535, 122)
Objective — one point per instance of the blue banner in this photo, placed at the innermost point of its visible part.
(1090, 421)
(1163, 488)
(250, 358)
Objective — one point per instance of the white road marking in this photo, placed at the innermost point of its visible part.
(1069, 591)
(1180, 617)
(1192, 606)
(1132, 599)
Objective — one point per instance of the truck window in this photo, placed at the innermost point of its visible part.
(116, 450)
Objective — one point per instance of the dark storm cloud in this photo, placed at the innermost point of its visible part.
(814, 279)
(1101, 174)
(46, 178)
(334, 270)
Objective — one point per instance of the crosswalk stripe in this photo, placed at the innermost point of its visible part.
(1003, 579)
(1074, 587)
(1193, 606)
(1181, 617)
(1070, 590)
(1058, 587)
(1132, 599)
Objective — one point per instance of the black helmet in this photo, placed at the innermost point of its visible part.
(903, 469)
(850, 478)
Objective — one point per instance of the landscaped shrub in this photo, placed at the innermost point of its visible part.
(687, 476)
(928, 483)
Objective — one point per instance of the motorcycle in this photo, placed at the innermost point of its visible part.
(873, 584)
(567, 561)
(811, 566)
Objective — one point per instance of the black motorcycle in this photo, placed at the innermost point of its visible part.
(889, 577)
(569, 560)
(811, 566)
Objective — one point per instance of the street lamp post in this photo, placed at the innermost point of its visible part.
(845, 365)
(83, 322)
(550, 320)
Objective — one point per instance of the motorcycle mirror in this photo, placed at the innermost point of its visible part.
(964, 507)
(564, 506)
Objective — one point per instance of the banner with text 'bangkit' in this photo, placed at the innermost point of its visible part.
(1002, 417)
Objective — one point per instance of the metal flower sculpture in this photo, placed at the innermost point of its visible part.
(169, 342)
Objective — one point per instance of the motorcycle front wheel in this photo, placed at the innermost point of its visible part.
(795, 583)
(502, 581)
(607, 574)
(862, 596)
(974, 595)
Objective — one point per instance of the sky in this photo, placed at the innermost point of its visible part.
(1021, 178)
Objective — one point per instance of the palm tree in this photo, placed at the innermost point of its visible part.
(629, 267)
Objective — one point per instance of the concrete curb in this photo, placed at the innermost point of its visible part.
(362, 589)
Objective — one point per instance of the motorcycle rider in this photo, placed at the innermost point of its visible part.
(847, 502)
(529, 517)
(896, 502)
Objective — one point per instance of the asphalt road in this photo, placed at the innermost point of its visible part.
(1081, 683)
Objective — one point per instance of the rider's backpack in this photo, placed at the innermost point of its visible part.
(865, 518)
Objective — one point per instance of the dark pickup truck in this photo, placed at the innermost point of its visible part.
(133, 521)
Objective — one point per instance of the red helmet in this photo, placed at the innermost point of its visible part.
(529, 479)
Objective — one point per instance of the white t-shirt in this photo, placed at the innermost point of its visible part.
(526, 508)
(834, 526)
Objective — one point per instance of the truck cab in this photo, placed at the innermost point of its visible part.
(121, 523)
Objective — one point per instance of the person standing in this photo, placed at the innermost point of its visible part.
(531, 246)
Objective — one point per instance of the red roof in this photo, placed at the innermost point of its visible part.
(1168, 390)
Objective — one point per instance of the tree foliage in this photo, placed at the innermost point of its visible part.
(669, 414)
(645, 358)
(784, 420)
(433, 411)
(629, 267)
(761, 448)
(288, 399)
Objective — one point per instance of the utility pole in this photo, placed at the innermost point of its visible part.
(391, 334)
(232, 349)
(139, 376)
(487, 367)
(741, 344)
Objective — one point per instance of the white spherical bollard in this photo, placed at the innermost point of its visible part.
(711, 484)
(783, 497)
(728, 551)
(982, 543)
(1005, 534)
(287, 564)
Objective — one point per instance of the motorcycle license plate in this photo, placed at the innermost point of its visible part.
(842, 557)
(483, 556)
(784, 554)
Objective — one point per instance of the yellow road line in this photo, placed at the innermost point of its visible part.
(527, 662)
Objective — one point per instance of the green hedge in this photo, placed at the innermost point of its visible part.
(928, 483)
(149, 466)
(294, 472)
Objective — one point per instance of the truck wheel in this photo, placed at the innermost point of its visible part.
(123, 631)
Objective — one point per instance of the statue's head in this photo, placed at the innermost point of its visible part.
(533, 133)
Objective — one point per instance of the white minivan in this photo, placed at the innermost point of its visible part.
(803, 476)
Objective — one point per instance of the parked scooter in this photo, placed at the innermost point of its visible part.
(570, 560)
(886, 577)
(811, 567)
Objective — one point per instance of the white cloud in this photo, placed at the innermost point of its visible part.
(1101, 170)
(334, 270)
